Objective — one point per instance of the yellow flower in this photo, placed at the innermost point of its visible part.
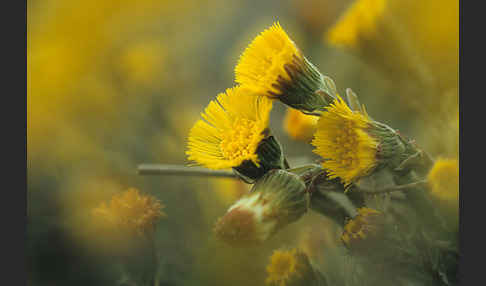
(359, 21)
(273, 65)
(236, 122)
(298, 125)
(343, 140)
(363, 229)
(131, 211)
(435, 35)
(283, 264)
(263, 61)
(292, 267)
(443, 179)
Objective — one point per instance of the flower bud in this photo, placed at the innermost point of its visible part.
(276, 200)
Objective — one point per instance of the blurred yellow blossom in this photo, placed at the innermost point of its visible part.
(443, 179)
(131, 211)
(282, 265)
(299, 126)
(292, 267)
(433, 27)
(141, 62)
(359, 21)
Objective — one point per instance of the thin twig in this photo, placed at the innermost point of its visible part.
(394, 188)
(180, 170)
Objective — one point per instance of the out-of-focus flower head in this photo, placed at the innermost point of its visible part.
(433, 26)
(272, 65)
(299, 126)
(131, 212)
(363, 230)
(140, 62)
(351, 143)
(276, 200)
(315, 15)
(359, 21)
(236, 135)
(291, 267)
(443, 179)
(412, 45)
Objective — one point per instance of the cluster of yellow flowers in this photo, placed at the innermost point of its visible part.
(236, 126)
(354, 149)
(234, 133)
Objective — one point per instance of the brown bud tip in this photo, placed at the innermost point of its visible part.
(238, 227)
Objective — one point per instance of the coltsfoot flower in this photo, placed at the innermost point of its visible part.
(276, 200)
(131, 212)
(443, 179)
(299, 126)
(358, 22)
(364, 229)
(291, 267)
(351, 143)
(272, 65)
(235, 134)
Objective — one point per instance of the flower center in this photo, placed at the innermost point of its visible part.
(239, 141)
(346, 147)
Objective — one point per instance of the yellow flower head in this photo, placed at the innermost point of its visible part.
(298, 125)
(359, 21)
(236, 122)
(262, 63)
(131, 211)
(443, 179)
(273, 65)
(292, 267)
(343, 140)
(283, 264)
(363, 229)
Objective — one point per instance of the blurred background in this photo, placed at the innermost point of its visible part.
(113, 84)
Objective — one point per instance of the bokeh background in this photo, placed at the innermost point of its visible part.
(116, 83)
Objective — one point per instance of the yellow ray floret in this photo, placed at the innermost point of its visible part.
(359, 21)
(342, 140)
(234, 126)
(263, 61)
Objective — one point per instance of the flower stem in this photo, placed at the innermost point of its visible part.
(180, 170)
